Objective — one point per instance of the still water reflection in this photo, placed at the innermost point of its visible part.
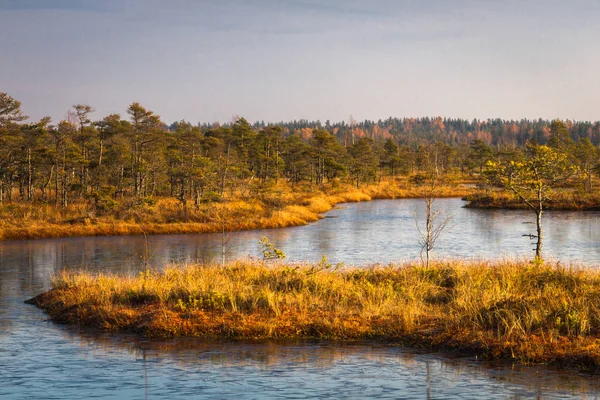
(39, 359)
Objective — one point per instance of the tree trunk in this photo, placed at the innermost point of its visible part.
(196, 196)
(29, 176)
(540, 237)
(120, 188)
(64, 201)
(538, 220)
(428, 217)
(223, 242)
(56, 187)
(47, 184)
(10, 189)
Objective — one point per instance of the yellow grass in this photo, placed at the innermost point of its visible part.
(561, 199)
(275, 206)
(509, 310)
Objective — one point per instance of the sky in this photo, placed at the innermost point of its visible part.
(281, 60)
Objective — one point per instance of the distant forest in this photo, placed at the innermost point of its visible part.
(137, 155)
(413, 131)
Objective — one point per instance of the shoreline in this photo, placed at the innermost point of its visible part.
(506, 310)
(244, 215)
(296, 209)
(564, 201)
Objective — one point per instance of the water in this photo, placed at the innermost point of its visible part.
(40, 359)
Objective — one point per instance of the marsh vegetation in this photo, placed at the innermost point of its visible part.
(113, 176)
(137, 175)
(511, 309)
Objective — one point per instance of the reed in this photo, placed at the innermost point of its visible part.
(508, 310)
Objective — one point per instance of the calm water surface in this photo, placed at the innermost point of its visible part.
(39, 359)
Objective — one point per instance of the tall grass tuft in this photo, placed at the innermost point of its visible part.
(510, 309)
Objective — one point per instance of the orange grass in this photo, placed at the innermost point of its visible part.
(506, 310)
(561, 199)
(277, 206)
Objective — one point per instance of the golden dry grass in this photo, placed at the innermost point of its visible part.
(274, 206)
(510, 309)
(562, 199)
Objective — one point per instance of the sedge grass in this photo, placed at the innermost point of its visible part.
(275, 207)
(561, 199)
(508, 310)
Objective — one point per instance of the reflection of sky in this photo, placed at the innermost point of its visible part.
(381, 231)
(357, 234)
(41, 359)
(66, 364)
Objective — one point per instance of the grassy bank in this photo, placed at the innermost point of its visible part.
(564, 199)
(271, 207)
(505, 310)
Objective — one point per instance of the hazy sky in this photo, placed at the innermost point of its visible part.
(278, 60)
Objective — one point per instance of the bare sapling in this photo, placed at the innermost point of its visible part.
(435, 221)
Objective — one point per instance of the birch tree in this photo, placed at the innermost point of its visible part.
(533, 181)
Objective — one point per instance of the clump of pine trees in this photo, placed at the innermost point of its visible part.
(137, 156)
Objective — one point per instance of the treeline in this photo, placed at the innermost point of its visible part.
(139, 156)
(454, 132)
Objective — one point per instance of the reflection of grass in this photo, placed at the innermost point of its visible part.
(193, 354)
(563, 199)
(275, 206)
(531, 313)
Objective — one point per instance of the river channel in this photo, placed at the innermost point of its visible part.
(40, 359)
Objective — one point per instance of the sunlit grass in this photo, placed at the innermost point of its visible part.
(561, 199)
(271, 206)
(510, 309)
